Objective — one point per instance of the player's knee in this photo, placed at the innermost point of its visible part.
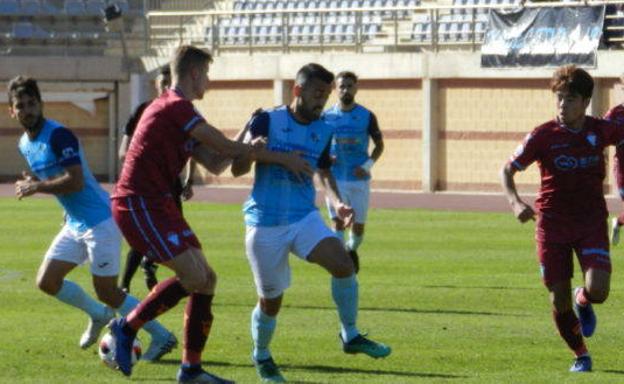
(201, 282)
(109, 295)
(343, 267)
(49, 285)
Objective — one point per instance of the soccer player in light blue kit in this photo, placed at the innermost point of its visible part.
(58, 167)
(353, 125)
(281, 217)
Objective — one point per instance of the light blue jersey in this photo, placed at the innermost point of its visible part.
(47, 155)
(278, 196)
(350, 144)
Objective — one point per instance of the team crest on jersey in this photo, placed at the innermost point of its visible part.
(173, 238)
(591, 138)
(68, 153)
(314, 137)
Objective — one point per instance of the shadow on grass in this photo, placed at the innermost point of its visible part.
(384, 309)
(494, 288)
(330, 369)
(614, 371)
(322, 369)
(412, 310)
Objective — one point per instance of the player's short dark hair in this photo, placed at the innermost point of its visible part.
(165, 70)
(187, 57)
(574, 80)
(313, 71)
(22, 85)
(347, 75)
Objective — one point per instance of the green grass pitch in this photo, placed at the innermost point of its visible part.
(457, 295)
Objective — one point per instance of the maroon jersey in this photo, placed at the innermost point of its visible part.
(572, 166)
(160, 147)
(616, 114)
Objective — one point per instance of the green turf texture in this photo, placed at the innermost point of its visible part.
(458, 296)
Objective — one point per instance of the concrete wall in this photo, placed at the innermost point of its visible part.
(447, 123)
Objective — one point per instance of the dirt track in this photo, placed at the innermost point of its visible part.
(379, 199)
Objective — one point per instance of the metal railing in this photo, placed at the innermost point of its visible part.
(397, 28)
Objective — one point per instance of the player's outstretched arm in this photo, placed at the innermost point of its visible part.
(521, 210)
(216, 140)
(72, 180)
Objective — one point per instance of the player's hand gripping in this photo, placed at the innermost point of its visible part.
(296, 164)
(345, 213)
(27, 186)
(523, 211)
(360, 173)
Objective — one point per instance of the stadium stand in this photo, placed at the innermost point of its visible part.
(66, 27)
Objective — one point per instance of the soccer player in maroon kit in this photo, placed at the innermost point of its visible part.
(571, 209)
(168, 134)
(617, 114)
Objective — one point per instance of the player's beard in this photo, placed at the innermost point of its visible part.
(347, 99)
(32, 123)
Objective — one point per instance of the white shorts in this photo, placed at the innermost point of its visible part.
(268, 249)
(100, 245)
(355, 194)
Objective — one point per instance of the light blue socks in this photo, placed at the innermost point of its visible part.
(72, 294)
(262, 329)
(345, 294)
(153, 327)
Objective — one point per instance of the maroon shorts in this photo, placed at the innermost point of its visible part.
(557, 240)
(154, 227)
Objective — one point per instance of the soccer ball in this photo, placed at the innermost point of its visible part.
(106, 350)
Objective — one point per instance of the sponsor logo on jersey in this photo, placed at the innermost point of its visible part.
(565, 163)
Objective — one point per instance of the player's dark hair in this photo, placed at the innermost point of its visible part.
(21, 85)
(313, 71)
(347, 75)
(187, 57)
(574, 80)
(165, 70)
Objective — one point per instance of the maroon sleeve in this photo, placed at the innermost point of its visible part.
(185, 115)
(613, 132)
(527, 152)
(614, 135)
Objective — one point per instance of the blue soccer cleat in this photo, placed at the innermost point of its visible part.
(268, 371)
(582, 364)
(361, 344)
(196, 375)
(123, 345)
(586, 316)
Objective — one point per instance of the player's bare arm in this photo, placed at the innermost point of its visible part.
(521, 210)
(187, 181)
(364, 170)
(328, 182)
(70, 181)
(216, 140)
(123, 148)
(291, 161)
